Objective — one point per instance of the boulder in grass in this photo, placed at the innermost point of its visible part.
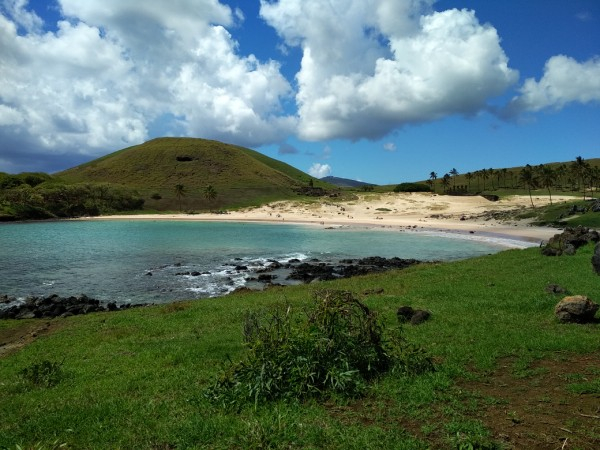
(596, 259)
(414, 316)
(576, 309)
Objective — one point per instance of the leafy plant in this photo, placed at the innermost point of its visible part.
(43, 374)
(337, 349)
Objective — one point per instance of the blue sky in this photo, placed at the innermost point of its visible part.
(382, 91)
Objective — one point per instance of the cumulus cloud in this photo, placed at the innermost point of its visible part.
(564, 81)
(319, 170)
(371, 66)
(389, 147)
(112, 69)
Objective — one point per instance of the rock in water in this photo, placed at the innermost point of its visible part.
(576, 309)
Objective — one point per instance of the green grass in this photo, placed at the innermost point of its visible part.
(136, 378)
(559, 215)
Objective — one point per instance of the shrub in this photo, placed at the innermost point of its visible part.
(336, 349)
(43, 374)
(412, 187)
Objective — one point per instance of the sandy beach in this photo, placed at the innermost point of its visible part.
(414, 211)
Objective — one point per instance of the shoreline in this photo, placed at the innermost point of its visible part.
(468, 217)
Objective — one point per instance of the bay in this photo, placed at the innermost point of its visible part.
(142, 261)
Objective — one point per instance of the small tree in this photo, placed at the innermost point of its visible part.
(432, 178)
(446, 182)
(179, 193)
(527, 177)
(547, 178)
(210, 193)
(454, 173)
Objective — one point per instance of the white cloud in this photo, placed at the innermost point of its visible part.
(389, 147)
(564, 81)
(318, 170)
(114, 68)
(16, 9)
(371, 66)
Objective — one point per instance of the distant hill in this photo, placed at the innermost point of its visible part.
(345, 182)
(240, 176)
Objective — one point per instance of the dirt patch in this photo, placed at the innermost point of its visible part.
(14, 338)
(546, 405)
(551, 404)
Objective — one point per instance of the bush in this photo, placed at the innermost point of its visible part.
(337, 348)
(412, 187)
(43, 374)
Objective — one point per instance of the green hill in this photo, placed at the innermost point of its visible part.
(240, 176)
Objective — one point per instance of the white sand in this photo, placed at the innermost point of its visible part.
(417, 211)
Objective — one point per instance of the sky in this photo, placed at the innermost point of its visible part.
(381, 91)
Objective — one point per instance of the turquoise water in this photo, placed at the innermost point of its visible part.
(112, 260)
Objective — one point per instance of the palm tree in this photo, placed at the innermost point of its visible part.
(179, 193)
(446, 181)
(504, 172)
(491, 173)
(547, 178)
(527, 177)
(469, 177)
(484, 176)
(579, 168)
(454, 173)
(210, 193)
(433, 177)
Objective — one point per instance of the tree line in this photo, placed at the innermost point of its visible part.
(39, 196)
(578, 176)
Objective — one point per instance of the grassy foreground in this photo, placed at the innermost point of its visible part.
(135, 379)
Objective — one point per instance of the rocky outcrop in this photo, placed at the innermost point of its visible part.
(312, 271)
(567, 242)
(54, 306)
(576, 309)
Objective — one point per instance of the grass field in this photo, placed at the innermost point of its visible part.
(508, 375)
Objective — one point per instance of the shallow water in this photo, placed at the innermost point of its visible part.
(113, 260)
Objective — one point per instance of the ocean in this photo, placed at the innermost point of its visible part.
(142, 261)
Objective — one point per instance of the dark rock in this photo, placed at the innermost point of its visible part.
(555, 289)
(266, 278)
(420, 316)
(491, 197)
(414, 316)
(56, 306)
(576, 309)
(405, 313)
(112, 306)
(596, 259)
(241, 268)
(569, 241)
(25, 314)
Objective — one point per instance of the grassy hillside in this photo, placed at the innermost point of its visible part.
(239, 175)
(508, 375)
